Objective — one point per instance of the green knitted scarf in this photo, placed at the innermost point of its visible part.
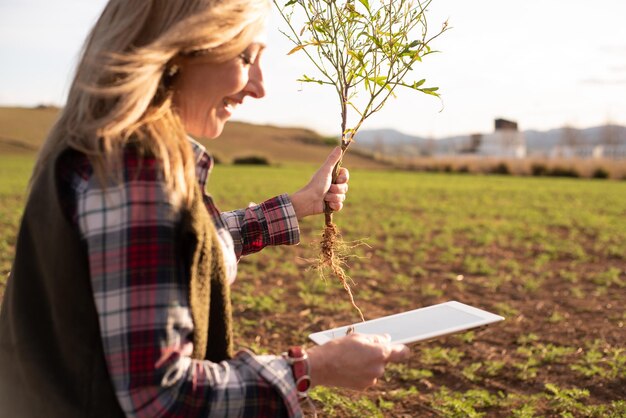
(209, 292)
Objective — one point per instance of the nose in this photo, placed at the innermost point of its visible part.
(255, 86)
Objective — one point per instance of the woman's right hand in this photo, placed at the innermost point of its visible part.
(355, 361)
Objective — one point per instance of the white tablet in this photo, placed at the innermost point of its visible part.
(417, 325)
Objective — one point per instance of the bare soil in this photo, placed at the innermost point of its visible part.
(551, 312)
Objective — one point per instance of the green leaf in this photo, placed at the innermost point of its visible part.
(354, 55)
(290, 2)
(306, 79)
(381, 80)
(430, 90)
(366, 4)
(413, 44)
(319, 28)
(375, 40)
(552, 388)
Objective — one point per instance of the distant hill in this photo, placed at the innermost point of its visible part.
(590, 136)
(392, 142)
(23, 130)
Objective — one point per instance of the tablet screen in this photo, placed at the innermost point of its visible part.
(419, 324)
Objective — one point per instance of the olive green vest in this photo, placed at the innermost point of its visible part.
(51, 358)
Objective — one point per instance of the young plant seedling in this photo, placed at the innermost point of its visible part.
(363, 49)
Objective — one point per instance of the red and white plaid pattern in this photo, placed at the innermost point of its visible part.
(141, 293)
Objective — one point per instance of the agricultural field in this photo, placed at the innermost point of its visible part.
(549, 254)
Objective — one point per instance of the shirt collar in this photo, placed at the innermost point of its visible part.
(204, 161)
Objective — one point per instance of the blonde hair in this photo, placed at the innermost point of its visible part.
(120, 92)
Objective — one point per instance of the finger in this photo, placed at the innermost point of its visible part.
(334, 198)
(374, 339)
(379, 338)
(343, 176)
(336, 207)
(332, 159)
(398, 352)
(338, 188)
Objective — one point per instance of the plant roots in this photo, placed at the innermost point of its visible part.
(333, 255)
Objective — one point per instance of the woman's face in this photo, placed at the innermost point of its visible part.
(207, 94)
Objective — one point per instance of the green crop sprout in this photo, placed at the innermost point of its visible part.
(364, 49)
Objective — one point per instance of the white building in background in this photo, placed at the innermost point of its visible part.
(576, 151)
(505, 142)
(615, 152)
(609, 142)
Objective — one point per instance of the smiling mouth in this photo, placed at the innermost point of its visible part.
(230, 104)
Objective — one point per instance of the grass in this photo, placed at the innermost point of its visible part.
(14, 174)
(547, 253)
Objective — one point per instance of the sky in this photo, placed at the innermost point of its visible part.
(542, 63)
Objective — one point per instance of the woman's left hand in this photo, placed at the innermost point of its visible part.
(310, 199)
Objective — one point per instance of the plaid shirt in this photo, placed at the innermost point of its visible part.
(141, 294)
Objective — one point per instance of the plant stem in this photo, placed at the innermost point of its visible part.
(328, 212)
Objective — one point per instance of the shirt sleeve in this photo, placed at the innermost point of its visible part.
(141, 296)
(272, 222)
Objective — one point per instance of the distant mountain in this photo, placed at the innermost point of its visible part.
(389, 142)
(561, 136)
(395, 143)
(387, 135)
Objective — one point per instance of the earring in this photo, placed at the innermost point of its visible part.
(169, 76)
(172, 70)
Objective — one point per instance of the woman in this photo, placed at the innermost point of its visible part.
(118, 302)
